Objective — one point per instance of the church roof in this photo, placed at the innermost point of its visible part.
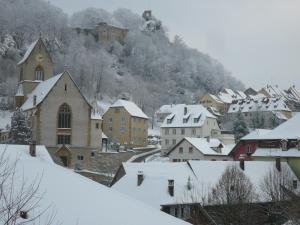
(41, 91)
(28, 52)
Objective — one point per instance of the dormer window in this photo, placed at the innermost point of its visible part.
(185, 120)
(169, 121)
(284, 145)
(196, 120)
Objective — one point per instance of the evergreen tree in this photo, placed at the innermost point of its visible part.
(20, 132)
(240, 128)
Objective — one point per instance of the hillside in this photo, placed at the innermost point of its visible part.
(148, 67)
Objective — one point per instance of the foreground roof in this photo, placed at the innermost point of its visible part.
(255, 134)
(131, 108)
(276, 152)
(203, 176)
(75, 199)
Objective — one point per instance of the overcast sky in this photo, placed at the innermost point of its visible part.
(258, 41)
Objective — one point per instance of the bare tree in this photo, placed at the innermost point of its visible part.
(19, 199)
(232, 197)
(279, 189)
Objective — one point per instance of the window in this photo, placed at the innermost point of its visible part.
(122, 129)
(174, 131)
(64, 116)
(92, 154)
(97, 125)
(196, 120)
(249, 151)
(194, 131)
(169, 121)
(63, 139)
(181, 150)
(182, 131)
(110, 120)
(185, 120)
(80, 157)
(295, 184)
(110, 129)
(39, 73)
(167, 141)
(65, 87)
(174, 141)
(166, 131)
(190, 149)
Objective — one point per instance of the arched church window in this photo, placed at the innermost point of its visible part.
(64, 116)
(39, 73)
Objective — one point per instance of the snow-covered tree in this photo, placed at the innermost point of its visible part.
(240, 128)
(20, 132)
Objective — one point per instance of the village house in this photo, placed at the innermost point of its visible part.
(104, 32)
(125, 123)
(199, 149)
(176, 188)
(187, 121)
(280, 143)
(60, 116)
(263, 112)
(213, 102)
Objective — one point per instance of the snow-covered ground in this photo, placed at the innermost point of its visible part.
(72, 198)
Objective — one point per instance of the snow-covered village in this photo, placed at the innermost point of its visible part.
(139, 112)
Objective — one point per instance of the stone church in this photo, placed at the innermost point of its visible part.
(61, 117)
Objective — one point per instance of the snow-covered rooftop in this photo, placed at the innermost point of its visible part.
(255, 134)
(203, 176)
(28, 52)
(288, 130)
(74, 199)
(197, 116)
(276, 152)
(205, 147)
(131, 108)
(167, 108)
(264, 104)
(41, 91)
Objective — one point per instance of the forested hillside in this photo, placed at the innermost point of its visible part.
(148, 67)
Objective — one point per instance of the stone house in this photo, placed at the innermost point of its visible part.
(199, 149)
(125, 123)
(60, 116)
(104, 32)
(187, 121)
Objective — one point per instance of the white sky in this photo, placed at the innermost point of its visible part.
(257, 40)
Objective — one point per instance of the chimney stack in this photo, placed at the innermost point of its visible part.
(34, 100)
(171, 187)
(278, 164)
(185, 110)
(140, 178)
(242, 163)
(32, 149)
(208, 139)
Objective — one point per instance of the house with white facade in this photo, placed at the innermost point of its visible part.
(263, 112)
(187, 121)
(199, 149)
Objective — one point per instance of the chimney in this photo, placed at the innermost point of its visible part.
(278, 164)
(208, 139)
(171, 187)
(34, 100)
(242, 163)
(185, 110)
(140, 178)
(32, 149)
